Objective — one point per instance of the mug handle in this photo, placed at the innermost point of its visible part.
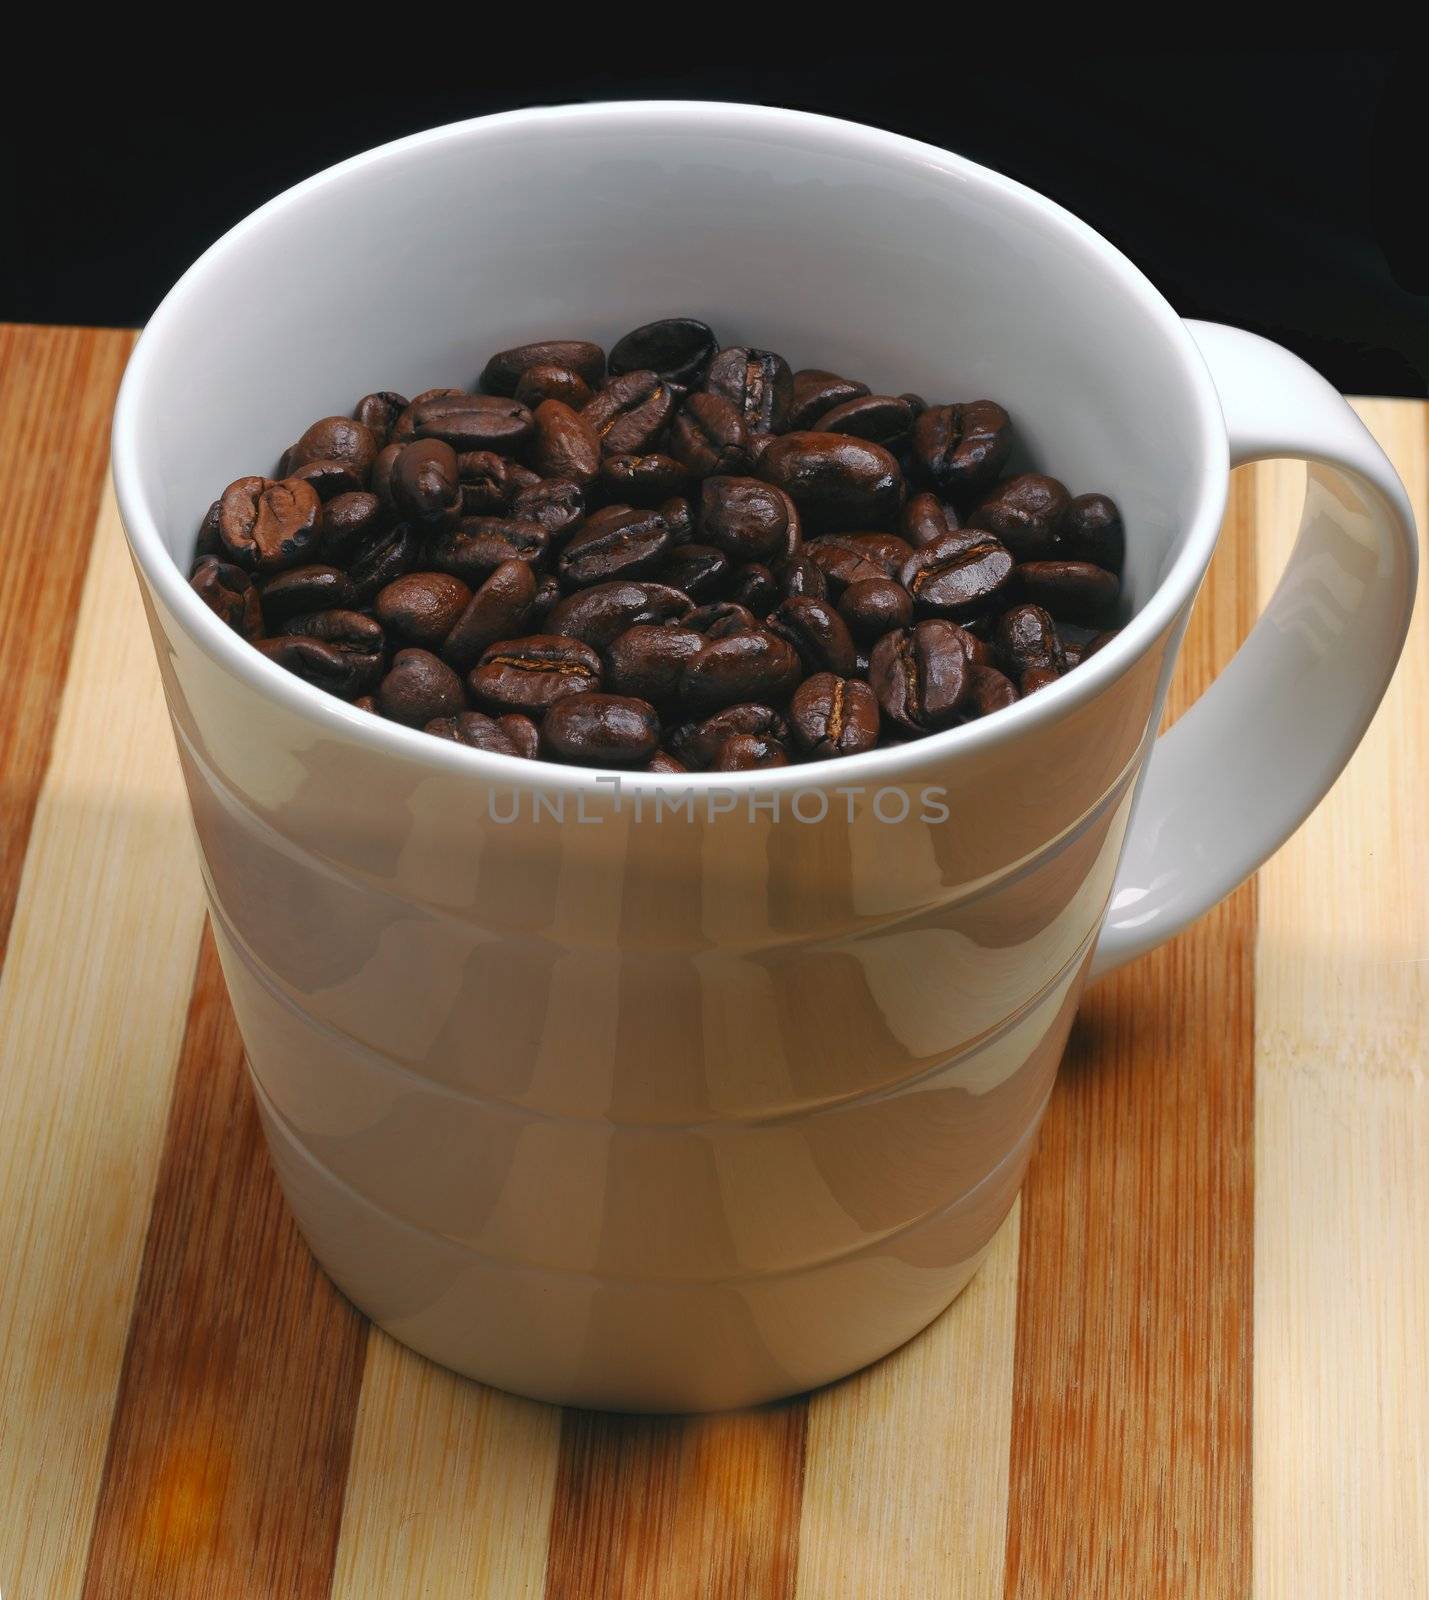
(1244, 767)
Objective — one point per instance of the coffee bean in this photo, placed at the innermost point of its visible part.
(846, 558)
(314, 588)
(469, 422)
(697, 744)
(384, 556)
(921, 674)
(265, 526)
(875, 606)
(499, 609)
(708, 436)
(882, 418)
(645, 480)
(599, 615)
(662, 761)
(817, 632)
(958, 575)
(426, 482)
(679, 518)
(419, 688)
(548, 596)
(834, 716)
(990, 692)
(565, 445)
(647, 661)
(486, 483)
(750, 752)
(1035, 678)
(1027, 637)
(699, 569)
(959, 449)
(380, 480)
(230, 594)
(505, 369)
(422, 608)
(324, 666)
(558, 505)
(915, 403)
(477, 731)
(745, 518)
(547, 381)
(601, 730)
(329, 478)
(756, 587)
(1073, 591)
(1091, 530)
(800, 574)
(630, 413)
(354, 633)
(758, 383)
(208, 542)
(341, 439)
(1024, 513)
(757, 666)
(720, 618)
(618, 542)
(477, 547)
(679, 349)
(926, 518)
(378, 413)
(534, 672)
(816, 393)
(838, 483)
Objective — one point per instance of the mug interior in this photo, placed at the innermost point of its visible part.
(839, 246)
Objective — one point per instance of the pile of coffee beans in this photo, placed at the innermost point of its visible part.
(677, 557)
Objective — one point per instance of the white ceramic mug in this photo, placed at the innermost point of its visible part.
(693, 1110)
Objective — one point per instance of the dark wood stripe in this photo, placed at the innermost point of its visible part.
(229, 1444)
(666, 1508)
(1131, 1428)
(57, 389)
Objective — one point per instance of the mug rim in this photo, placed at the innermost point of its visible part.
(896, 764)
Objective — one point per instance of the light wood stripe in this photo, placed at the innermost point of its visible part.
(92, 999)
(666, 1508)
(450, 1487)
(905, 1486)
(1342, 1140)
(57, 386)
(1131, 1392)
(232, 1428)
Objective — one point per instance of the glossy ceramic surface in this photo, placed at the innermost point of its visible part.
(629, 1105)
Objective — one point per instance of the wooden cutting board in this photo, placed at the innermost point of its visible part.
(1194, 1364)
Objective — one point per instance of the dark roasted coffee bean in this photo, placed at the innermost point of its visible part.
(875, 606)
(504, 371)
(1024, 513)
(500, 609)
(476, 731)
(469, 422)
(980, 652)
(548, 597)
(882, 418)
(615, 543)
(265, 526)
(329, 478)
(817, 393)
(365, 702)
(678, 348)
(422, 608)
(926, 518)
(647, 661)
(379, 412)
(601, 613)
(1073, 591)
(959, 575)
(532, 673)
(921, 675)
(325, 666)
(565, 445)
(522, 732)
(745, 518)
(479, 545)
(915, 403)
(1027, 637)
(709, 437)
(749, 752)
(642, 480)
(419, 687)
(699, 569)
(1035, 678)
(719, 618)
(800, 574)
(601, 730)
(755, 586)
(380, 480)
(755, 666)
(817, 632)
(426, 482)
(630, 414)
(679, 517)
(557, 504)
(846, 558)
(341, 439)
(486, 483)
(315, 588)
(991, 691)
(1099, 642)
(354, 632)
(1091, 530)
(838, 483)
(833, 716)
(208, 542)
(758, 383)
(662, 761)
(959, 449)
(698, 743)
(383, 557)
(230, 594)
(547, 381)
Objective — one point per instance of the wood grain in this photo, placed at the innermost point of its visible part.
(96, 979)
(1131, 1445)
(57, 388)
(1342, 1138)
(668, 1508)
(905, 1478)
(231, 1433)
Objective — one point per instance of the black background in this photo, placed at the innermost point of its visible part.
(1280, 191)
